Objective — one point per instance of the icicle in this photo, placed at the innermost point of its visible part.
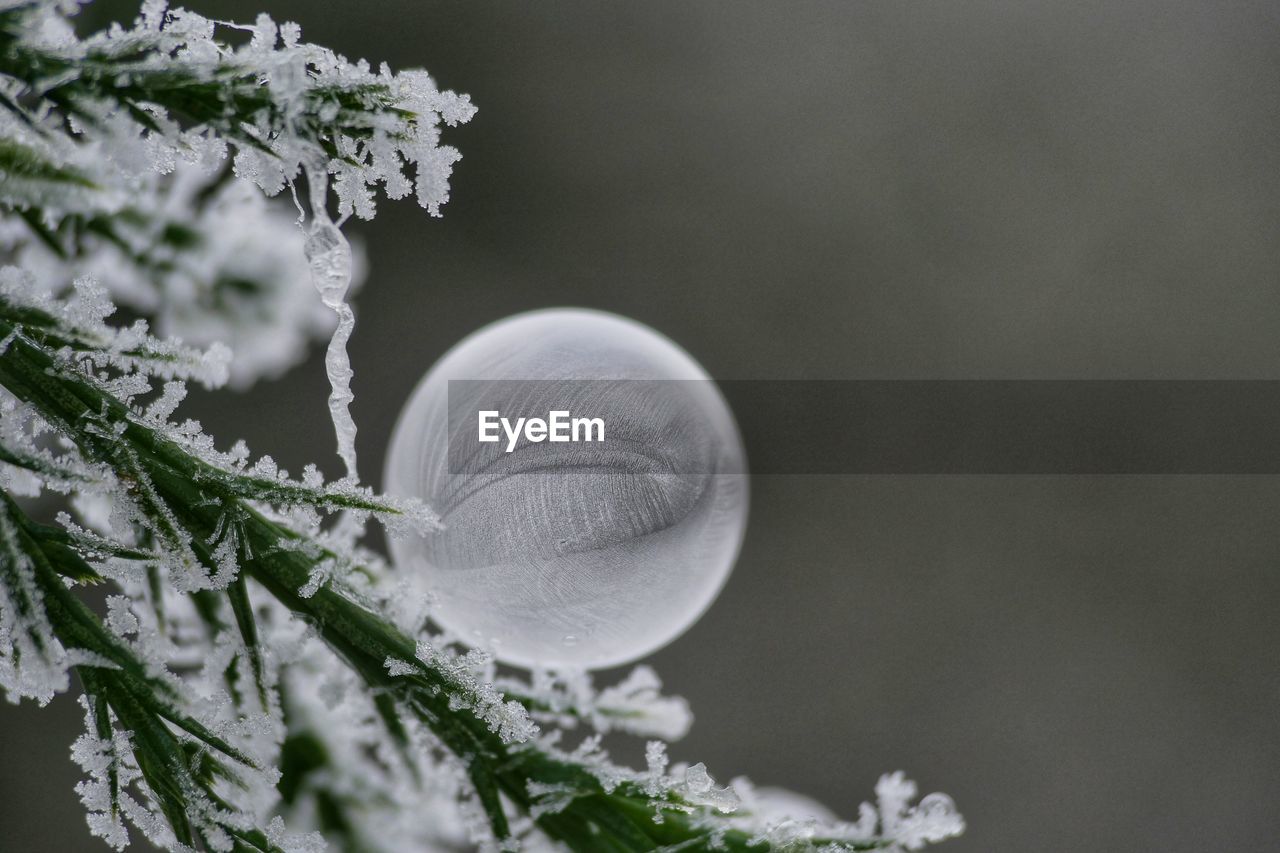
(329, 255)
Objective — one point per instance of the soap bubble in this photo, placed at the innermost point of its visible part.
(571, 553)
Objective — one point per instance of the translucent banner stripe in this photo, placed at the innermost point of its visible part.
(911, 427)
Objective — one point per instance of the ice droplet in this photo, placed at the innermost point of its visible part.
(572, 554)
(937, 805)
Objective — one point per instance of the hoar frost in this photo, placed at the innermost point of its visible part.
(329, 122)
(217, 714)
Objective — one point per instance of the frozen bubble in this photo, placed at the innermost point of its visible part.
(572, 554)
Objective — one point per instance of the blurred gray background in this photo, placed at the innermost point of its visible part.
(875, 189)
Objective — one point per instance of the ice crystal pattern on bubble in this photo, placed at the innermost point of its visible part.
(258, 680)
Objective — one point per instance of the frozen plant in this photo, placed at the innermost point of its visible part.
(259, 681)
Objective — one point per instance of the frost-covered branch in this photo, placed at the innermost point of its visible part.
(259, 681)
(169, 82)
(509, 764)
(113, 161)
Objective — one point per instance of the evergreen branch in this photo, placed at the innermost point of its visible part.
(44, 464)
(170, 73)
(473, 723)
(22, 163)
(180, 774)
(253, 629)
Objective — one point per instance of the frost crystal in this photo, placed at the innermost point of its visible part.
(634, 705)
(507, 718)
(32, 661)
(211, 260)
